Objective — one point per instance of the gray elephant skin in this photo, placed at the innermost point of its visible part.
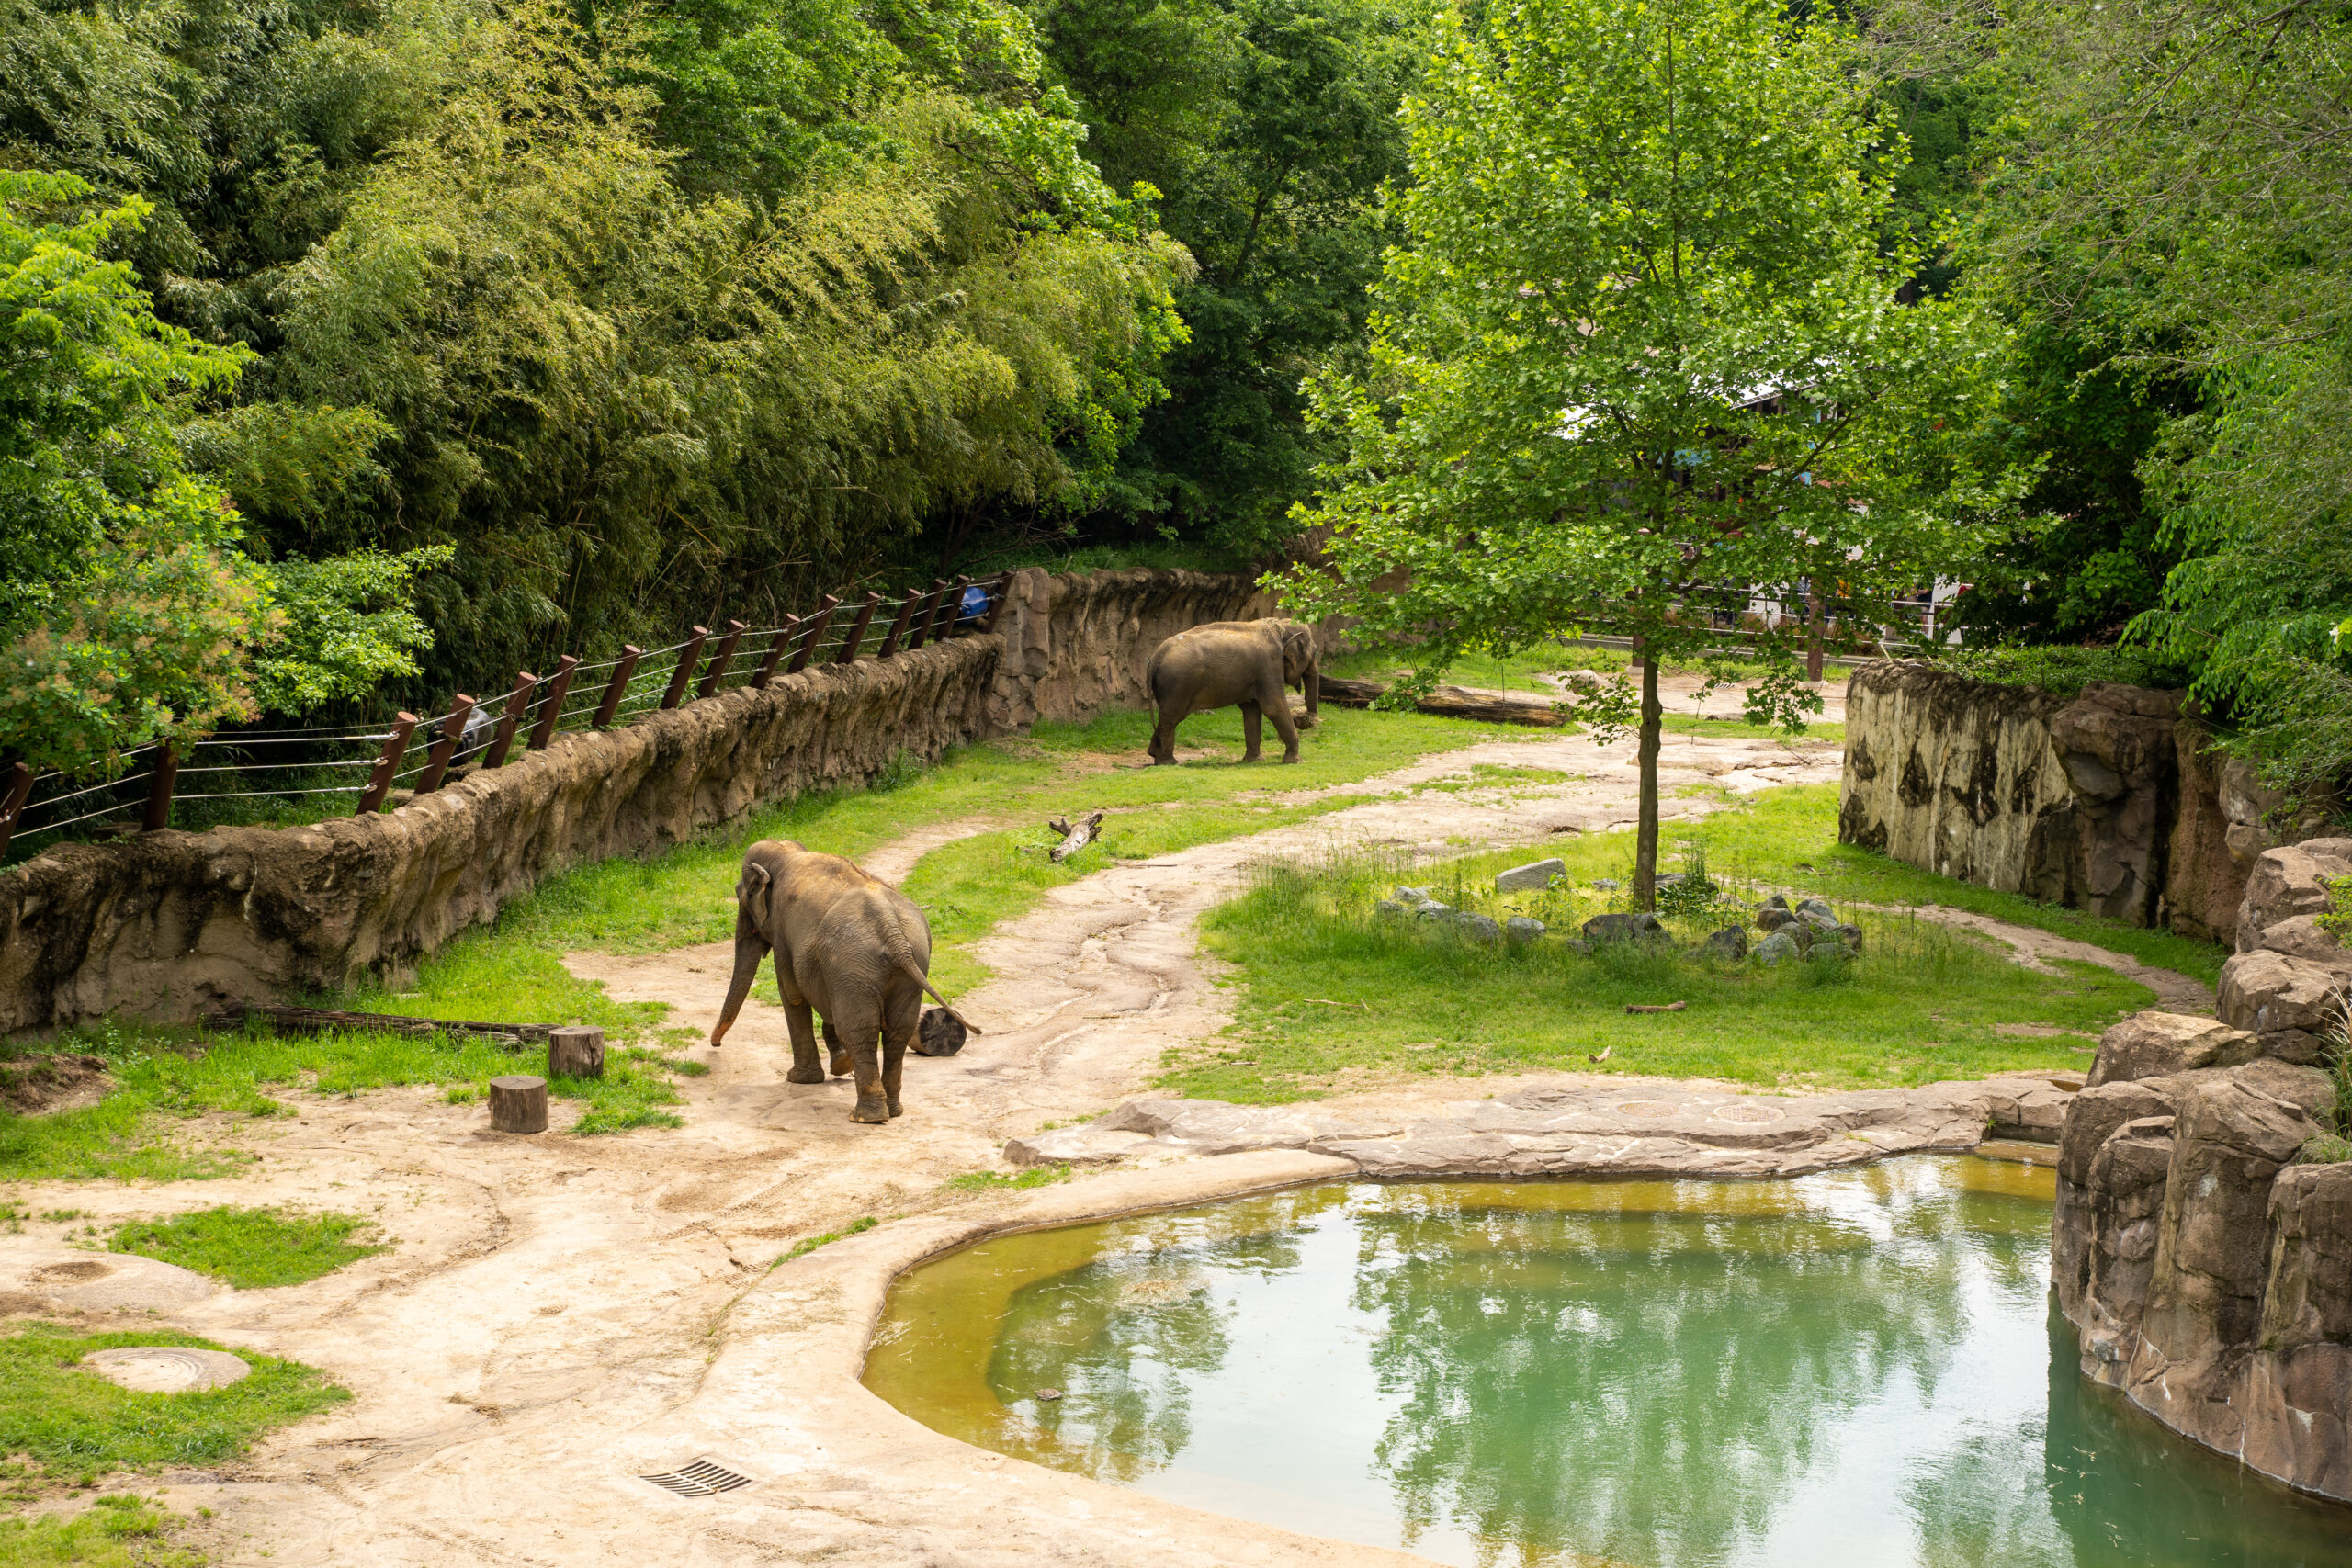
(849, 946)
(1229, 664)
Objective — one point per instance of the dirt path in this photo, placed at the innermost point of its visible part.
(557, 1311)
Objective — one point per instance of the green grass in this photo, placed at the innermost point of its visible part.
(808, 1245)
(168, 1076)
(120, 1530)
(997, 1182)
(1329, 988)
(69, 1426)
(251, 1248)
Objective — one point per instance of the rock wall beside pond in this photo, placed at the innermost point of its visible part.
(2111, 801)
(169, 924)
(2209, 1276)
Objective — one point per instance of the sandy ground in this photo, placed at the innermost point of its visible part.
(562, 1316)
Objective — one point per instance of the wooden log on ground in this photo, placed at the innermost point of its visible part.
(1075, 836)
(576, 1051)
(1447, 702)
(518, 1103)
(316, 1020)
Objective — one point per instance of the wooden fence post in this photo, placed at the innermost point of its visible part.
(12, 805)
(618, 687)
(812, 634)
(898, 627)
(848, 655)
(387, 764)
(775, 653)
(720, 660)
(436, 761)
(559, 687)
(516, 701)
(951, 607)
(159, 788)
(686, 657)
(920, 632)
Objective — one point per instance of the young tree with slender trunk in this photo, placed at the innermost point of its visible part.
(1642, 363)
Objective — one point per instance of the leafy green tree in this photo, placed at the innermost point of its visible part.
(1641, 357)
(1268, 130)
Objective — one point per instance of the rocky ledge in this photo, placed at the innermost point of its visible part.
(1600, 1127)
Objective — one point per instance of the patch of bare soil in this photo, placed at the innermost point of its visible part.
(561, 1317)
(34, 1086)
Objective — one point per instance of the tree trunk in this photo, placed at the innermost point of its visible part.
(1645, 839)
(576, 1051)
(518, 1103)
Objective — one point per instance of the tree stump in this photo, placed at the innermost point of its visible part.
(518, 1104)
(576, 1051)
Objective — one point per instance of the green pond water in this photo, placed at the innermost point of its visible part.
(1859, 1367)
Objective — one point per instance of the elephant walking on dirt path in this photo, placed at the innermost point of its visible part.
(1230, 663)
(847, 945)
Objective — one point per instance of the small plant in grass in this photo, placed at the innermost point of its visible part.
(250, 1248)
(121, 1530)
(997, 1182)
(2337, 921)
(1691, 894)
(808, 1245)
(68, 1426)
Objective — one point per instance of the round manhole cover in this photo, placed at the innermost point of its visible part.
(158, 1368)
(1749, 1113)
(1646, 1109)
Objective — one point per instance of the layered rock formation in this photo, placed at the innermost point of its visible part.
(170, 924)
(2111, 802)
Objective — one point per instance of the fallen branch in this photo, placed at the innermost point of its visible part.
(1075, 838)
(319, 1020)
(1670, 1007)
(1447, 702)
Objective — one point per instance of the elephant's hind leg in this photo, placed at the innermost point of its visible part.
(861, 1030)
(899, 1027)
(804, 1043)
(1253, 730)
(839, 1051)
(1163, 733)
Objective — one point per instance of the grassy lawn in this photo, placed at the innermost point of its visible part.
(122, 1530)
(250, 1248)
(62, 1425)
(1330, 988)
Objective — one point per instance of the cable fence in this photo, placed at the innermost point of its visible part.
(284, 776)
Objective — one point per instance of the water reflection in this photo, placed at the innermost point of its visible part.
(1857, 1368)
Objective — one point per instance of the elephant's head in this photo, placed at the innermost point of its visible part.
(1298, 660)
(753, 891)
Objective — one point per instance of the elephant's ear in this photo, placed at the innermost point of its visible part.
(752, 893)
(1298, 651)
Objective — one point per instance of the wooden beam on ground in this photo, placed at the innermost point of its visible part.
(1447, 702)
(320, 1021)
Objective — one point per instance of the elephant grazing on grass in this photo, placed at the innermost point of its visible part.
(1229, 664)
(850, 946)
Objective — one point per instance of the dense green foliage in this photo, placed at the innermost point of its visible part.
(1641, 349)
(251, 1248)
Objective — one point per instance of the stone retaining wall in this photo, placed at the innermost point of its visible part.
(2112, 802)
(167, 924)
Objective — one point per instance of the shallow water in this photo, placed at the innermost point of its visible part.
(1857, 1368)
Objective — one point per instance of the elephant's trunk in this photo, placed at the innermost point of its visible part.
(750, 948)
(1312, 684)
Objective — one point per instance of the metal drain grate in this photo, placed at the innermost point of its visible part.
(700, 1479)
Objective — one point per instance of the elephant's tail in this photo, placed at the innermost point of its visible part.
(896, 938)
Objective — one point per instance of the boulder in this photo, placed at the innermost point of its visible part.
(2298, 1392)
(2204, 1302)
(2157, 1044)
(1216, 1127)
(1851, 935)
(1092, 1145)
(1518, 928)
(1433, 910)
(1412, 895)
(1776, 947)
(1773, 918)
(2285, 882)
(2097, 1111)
(1622, 928)
(1535, 875)
(1817, 908)
(1729, 942)
(1777, 901)
(1478, 927)
(2303, 937)
(2120, 1214)
(2289, 1003)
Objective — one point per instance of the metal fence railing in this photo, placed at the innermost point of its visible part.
(278, 775)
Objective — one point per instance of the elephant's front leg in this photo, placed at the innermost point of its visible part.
(1285, 726)
(803, 1042)
(1253, 730)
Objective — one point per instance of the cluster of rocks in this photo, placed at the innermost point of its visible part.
(2289, 975)
(2209, 1274)
(1417, 902)
(1791, 931)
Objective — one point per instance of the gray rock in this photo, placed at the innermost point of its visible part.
(1215, 1127)
(1521, 928)
(1817, 907)
(1774, 948)
(1774, 917)
(1729, 942)
(1777, 901)
(1534, 875)
(1478, 927)
(1412, 895)
(1622, 928)
(1851, 936)
(2157, 1044)
(1092, 1145)
(2270, 993)
(1389, 906)
(1433, 910)
(1608, 883)
(1579, 945)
